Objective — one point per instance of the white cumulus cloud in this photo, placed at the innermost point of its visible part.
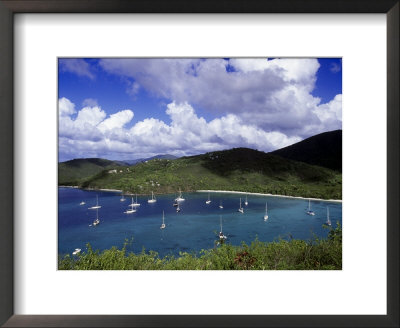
(93, 133)
(330, 114)
(116, 121)
(272, 95)
(65, 107)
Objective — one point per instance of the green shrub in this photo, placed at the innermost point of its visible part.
(316, 254)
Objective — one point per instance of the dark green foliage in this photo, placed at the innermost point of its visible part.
(74, 172)
(316, 254)
(239, 169)
(323, 149)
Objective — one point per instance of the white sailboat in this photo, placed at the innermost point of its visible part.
(246, 202)
(135, 204)
(153, 199)
(309, 211)
(240, 207)
(163, 224)
(220, 205)
(208, 201)
(97, 204)
(122, 198)
(97, 221)
(266, 212)
(180, 198)
(328, 220)
(132, 210)
(76, 251)
(221, 234)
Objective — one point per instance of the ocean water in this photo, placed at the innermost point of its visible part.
(194, 228)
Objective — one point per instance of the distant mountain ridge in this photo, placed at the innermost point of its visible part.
(324, 149)
(139, 160)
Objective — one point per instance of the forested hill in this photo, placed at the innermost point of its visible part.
(239, 169)
(323, 149)
(74, 171)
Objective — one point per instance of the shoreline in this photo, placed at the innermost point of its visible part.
(219, 191)
(112, 190)
(91, 189)
(272, 195)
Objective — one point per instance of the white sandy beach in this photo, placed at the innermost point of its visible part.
(228, 192)
(77, 187)
(113, 190)
(260, 194)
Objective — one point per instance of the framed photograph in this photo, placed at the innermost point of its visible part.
(175, 164)
(180, 175)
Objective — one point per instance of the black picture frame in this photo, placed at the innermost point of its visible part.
(10, 7)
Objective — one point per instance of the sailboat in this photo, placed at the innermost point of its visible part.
(76, 251)
(97, 204)
(221, 234)
(246, 202)
(122, 198)
(132, 210)
(97, 221)
(135, 204)
(153, 199)
(266, 212)
(240, 207)
(82, 203)
(220, 205)
(328, 220)
(163, 224)
(309, 211)
(180, 198)
(208, 201)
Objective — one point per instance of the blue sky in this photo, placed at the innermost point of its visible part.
(133, 108)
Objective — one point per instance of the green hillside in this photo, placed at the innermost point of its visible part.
(239, 169)
(75, 171)
(324, 149)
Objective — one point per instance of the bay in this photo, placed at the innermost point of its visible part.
(194, 228)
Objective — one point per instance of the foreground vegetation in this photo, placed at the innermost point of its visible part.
(316, 254)
(239, 169)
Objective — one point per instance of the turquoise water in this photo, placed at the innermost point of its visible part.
(194, 228)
